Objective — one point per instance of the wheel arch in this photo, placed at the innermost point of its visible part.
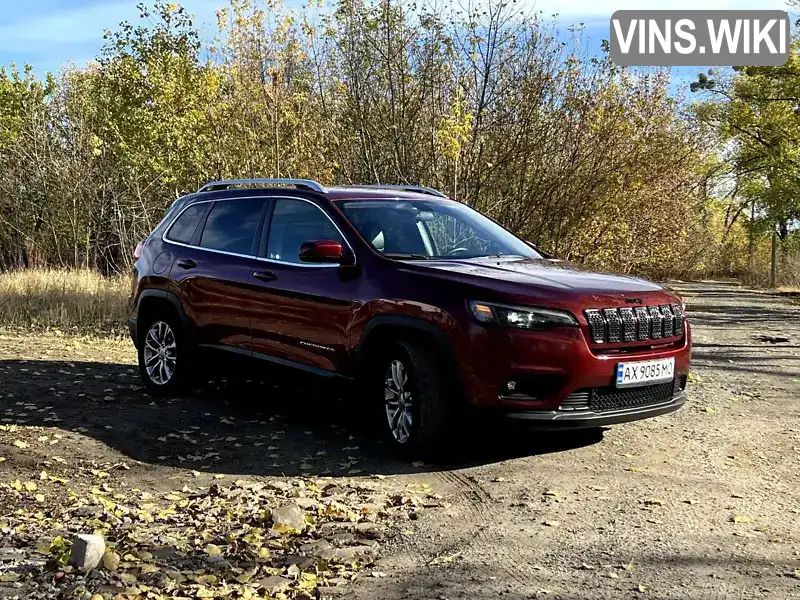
(155, 301)
(382, 331)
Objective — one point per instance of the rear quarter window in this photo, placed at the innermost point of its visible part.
(182, 230)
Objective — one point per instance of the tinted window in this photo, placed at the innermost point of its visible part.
(295, 222)
(232, 225)
(183, 228)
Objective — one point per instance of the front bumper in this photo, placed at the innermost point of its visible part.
(556, 419)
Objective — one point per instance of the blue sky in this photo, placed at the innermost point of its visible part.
(51, 33)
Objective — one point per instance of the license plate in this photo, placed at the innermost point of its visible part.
(644, 372)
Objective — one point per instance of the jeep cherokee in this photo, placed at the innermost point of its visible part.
(423, 303)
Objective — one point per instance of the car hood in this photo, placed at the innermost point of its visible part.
(544, 274)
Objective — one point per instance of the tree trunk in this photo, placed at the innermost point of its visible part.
(774, 266)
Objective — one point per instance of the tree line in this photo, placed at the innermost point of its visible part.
(491, 105)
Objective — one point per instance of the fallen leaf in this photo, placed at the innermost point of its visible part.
(20, 444)
(111, 560)
(551, 493)
(212, 550)
(439, 560)
(741, 519)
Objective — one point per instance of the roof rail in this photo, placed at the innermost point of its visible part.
(309, 184)
(407, 188)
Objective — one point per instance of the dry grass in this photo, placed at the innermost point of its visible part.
(48, 299)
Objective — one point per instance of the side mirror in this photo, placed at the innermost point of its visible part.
(321, 251)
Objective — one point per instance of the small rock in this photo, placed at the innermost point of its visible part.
(289, 518)
(334, 490)
(316, 547)
(349, 555)
(274, 584)
(342, 539)
(165, 552)
(303, 563)
(326, 591)
(87, 551)
(88, 511)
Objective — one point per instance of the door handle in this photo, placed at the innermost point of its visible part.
(187, 263)
(265, 275)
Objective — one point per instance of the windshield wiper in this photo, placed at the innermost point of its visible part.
(407, 256)
(498, 255)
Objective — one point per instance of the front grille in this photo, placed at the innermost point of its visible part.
(610, 398)
(614, 325)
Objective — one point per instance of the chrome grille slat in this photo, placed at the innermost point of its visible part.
(677, 316)
(597, 325)
(643, 319)
(665, 310)
(656, 322)
(628, 324)
(640, 323)
(613, 323)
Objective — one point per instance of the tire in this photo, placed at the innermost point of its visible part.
(170, 372)
(414, 384)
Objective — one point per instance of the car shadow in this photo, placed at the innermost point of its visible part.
(235, 426)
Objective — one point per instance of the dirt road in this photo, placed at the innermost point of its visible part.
(704, 503)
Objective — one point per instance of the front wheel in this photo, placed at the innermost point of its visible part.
(417, 410)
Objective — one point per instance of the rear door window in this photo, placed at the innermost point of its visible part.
(231, 225)
(184, 226)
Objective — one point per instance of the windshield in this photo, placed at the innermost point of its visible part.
(441, 229)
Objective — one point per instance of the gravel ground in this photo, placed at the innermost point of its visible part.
(703, 503)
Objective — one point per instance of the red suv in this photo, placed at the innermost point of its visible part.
(425, 305)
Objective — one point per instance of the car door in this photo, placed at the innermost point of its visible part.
(300, 312)
(212, 271)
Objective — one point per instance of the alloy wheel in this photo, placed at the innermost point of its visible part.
(398, 401)
(160, 353)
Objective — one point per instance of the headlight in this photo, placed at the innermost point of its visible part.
(521, 317)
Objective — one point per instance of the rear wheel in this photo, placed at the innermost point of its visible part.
(164, 355)
(417, 409)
